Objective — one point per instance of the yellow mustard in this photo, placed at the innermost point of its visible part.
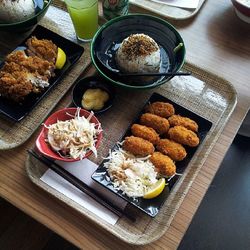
(94, 99)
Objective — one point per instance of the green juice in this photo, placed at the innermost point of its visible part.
(84, 15)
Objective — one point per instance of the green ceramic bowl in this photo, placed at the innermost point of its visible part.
(108, 38)
(28, 23)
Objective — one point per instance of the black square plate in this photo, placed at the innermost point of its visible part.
(73, 51)
(152, 206)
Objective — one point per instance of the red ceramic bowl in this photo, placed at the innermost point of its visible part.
(242, 10)
(62, 115)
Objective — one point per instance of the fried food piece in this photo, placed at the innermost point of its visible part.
(42, 48)
(177, 120)
(184, 136)
(22, 75)
(164, 165)
(163, 109)
(145, 132)
(19, 61)
(15, 86)
(138, 146)
(159, 124)
(173, 149)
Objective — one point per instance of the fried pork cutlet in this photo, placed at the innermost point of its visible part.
(183, 136)
(19, 61)
(15, 86)
(164, 165)
(162, 109)
(173, 149)
(23, 74)
(177, 120)
(145, 132)
(138, 146)
(159, 124)
(42, 48)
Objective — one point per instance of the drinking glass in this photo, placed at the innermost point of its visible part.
(84, 15)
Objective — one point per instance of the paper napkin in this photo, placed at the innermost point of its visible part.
(188, 4)
(83, 170)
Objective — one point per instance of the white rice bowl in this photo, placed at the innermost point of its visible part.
(16, 10)
(138, 53)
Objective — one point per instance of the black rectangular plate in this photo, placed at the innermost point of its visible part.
(73, 51)
(152, 206)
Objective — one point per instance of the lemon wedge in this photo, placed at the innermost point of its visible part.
(60, 59)
(156, 189)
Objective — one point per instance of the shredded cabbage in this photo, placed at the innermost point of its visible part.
(132, 175)
(75, 137)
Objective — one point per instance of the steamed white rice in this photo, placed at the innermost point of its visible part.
(141, 63)
(16, 10)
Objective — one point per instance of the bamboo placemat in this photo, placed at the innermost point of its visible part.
(164, 10)
(205, 94)
(13, 134)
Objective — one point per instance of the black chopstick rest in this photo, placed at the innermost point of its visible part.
(81, 185)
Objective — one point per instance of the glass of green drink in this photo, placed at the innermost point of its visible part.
(84, 15)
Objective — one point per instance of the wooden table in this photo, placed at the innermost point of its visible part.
(217, 41)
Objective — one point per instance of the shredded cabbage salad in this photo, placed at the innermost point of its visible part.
(75, 137)
(132, 175)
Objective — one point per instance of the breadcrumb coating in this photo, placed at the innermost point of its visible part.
(183, 136)
(42, 48)
(164, 165)
(163, 109)
(138, 146)
(159, 124)
(24, 74)
(145, 132)
(177, 120)
(173, 149)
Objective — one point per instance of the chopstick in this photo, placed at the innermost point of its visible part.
(157, 74)
(81, 185)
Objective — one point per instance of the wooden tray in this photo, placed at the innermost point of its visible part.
(164, 10)
(13, 134)
(205, 94)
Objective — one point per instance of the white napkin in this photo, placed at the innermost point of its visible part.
(83, 170)
(188, 4)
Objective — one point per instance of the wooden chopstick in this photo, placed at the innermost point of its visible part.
(80, 185)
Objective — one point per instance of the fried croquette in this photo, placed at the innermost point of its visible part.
(164, 165)
(159, 124)
(138, 146)
(162, 109)
(173, 149)
(177, 120)
(145, 132)
(183, 136)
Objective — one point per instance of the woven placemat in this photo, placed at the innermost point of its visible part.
(203, 93)
(164, 10)
(13, 134)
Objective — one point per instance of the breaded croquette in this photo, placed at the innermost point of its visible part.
(177, 120)
(183, 136)
(162, 109)
(138, 146)
(159, 124)
(146, 133)
(173, 149)
(164, 165)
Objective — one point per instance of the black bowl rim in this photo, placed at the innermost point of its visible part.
(126, 17)
(103, 82)
(5, 25)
